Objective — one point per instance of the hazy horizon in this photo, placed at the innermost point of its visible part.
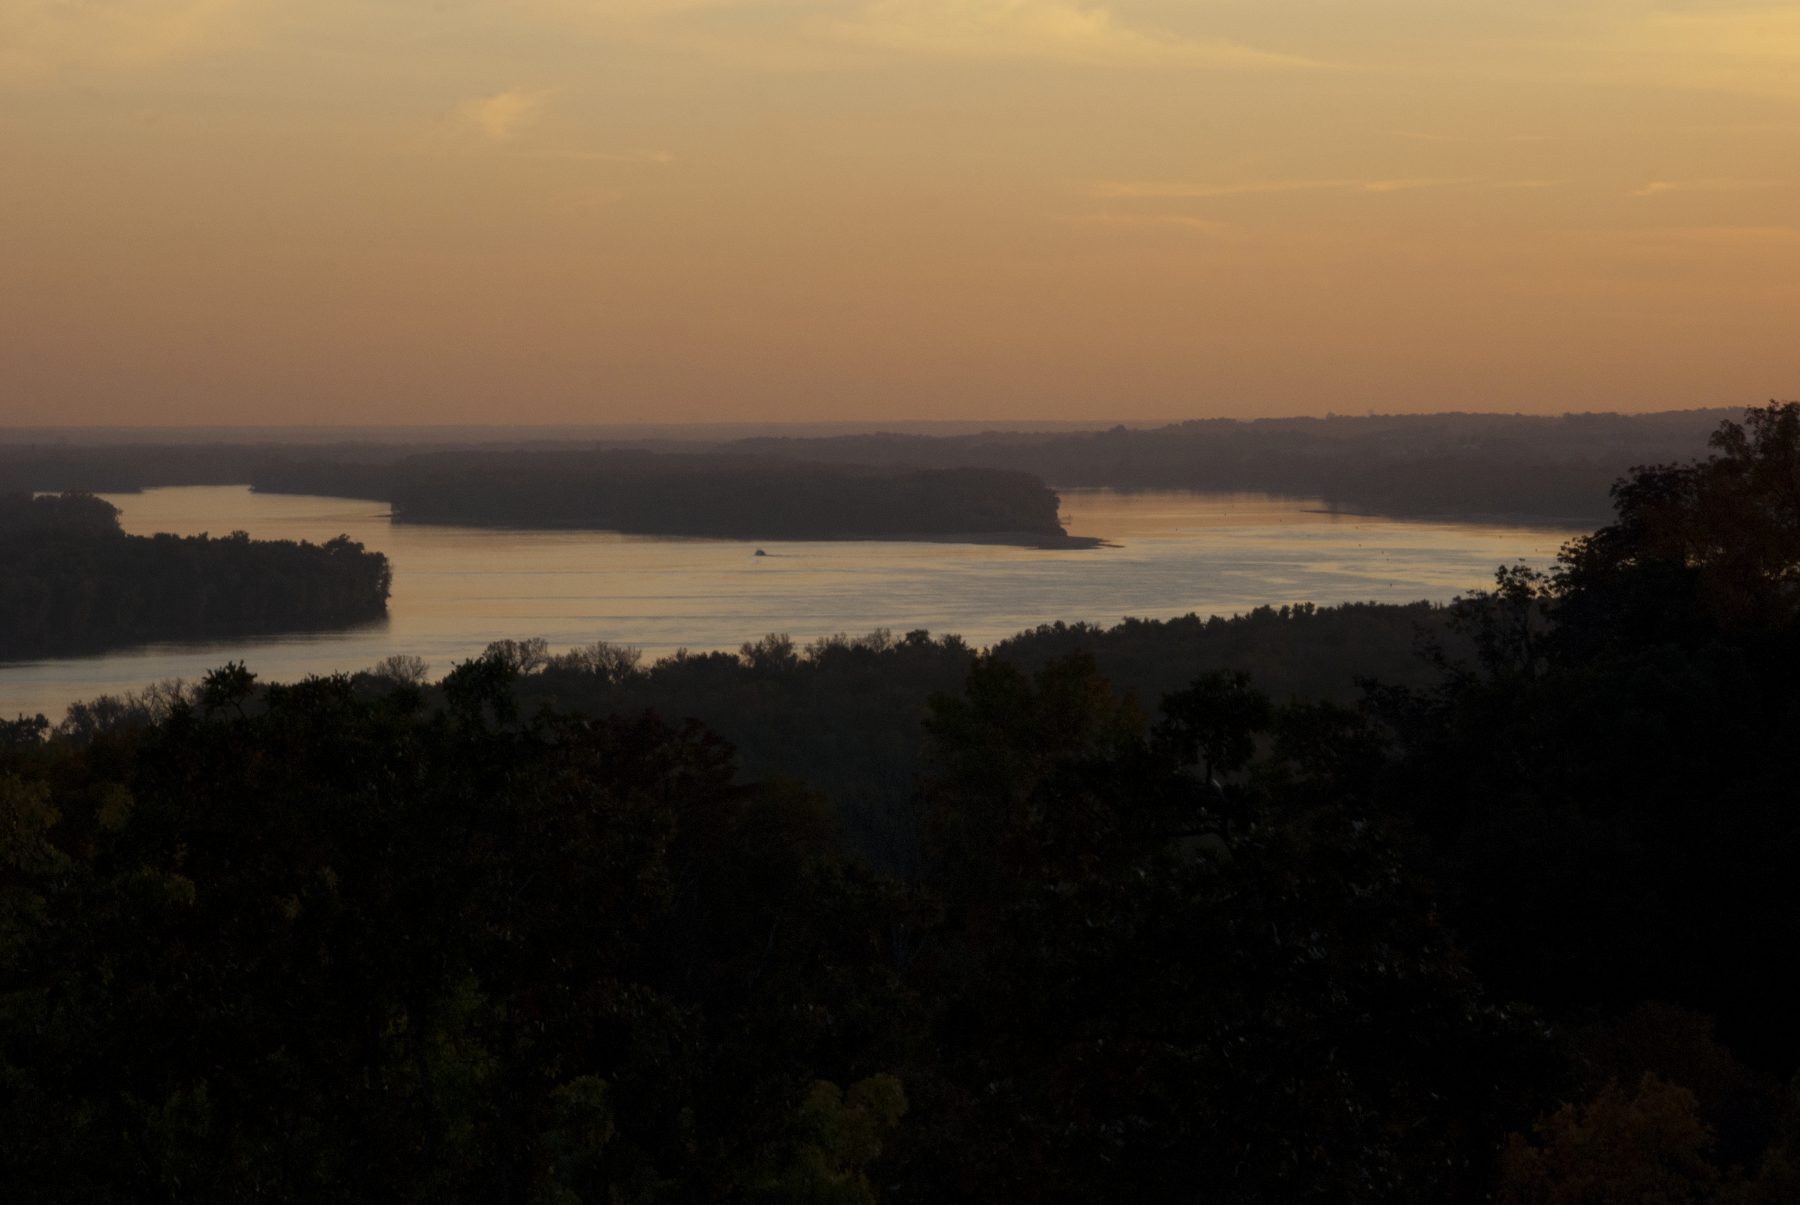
(99, 433)
(206, 432)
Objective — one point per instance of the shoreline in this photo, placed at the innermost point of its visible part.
(1016, 539)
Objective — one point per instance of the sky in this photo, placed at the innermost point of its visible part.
(606, 211)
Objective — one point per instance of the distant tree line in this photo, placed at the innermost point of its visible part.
(1472, 465)
(124, 468)
(1463, 465)
(691, 495)
(71, 581)
(1520, 931)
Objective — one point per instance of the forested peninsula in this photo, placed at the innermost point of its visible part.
(71, 581)
(734, 497)
(1510, 927)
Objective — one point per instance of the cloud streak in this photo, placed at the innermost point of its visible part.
(501, 116)
(1467, 139)
(1657, 188)
(1178, 221)
(660, 158)
(1142, 190)
(43, 39)
(1038, 29)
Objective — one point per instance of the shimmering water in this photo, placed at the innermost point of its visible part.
(458, 588)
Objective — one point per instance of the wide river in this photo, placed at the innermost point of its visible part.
(458, 588)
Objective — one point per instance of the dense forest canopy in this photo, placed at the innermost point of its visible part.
(845, 714)
(1518, 929)
(71, 581)
(1405, 465)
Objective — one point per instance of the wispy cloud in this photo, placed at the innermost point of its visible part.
(1411, 183)
(1466, 139)
(588, 12)
(1176, 221)
(43, 39)
(1657, 188)
(1736, 46)
(822, 33)
(660, 158)
(1140, 190)
(1042, 29)
(501, 116)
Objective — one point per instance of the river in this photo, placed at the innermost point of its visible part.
(458, 588)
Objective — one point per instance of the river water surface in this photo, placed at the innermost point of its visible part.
(458, 588)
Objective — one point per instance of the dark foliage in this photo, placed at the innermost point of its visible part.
(1520, 933)
(71, 581)
(693, 495)
(1619, 765)
(845, 714)
(301, 944)
(319, 941)
(1470, 465)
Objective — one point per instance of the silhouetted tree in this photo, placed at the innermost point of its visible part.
(72, 581)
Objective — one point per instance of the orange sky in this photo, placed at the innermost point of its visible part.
(217, 211)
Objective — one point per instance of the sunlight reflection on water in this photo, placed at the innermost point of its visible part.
(456, 588)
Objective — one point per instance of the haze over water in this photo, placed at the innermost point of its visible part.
(456, 589)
